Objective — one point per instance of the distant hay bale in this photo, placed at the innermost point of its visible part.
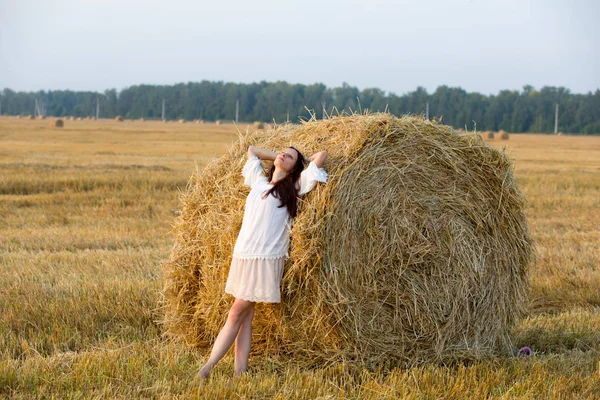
(41, 117)
(218, 122)
(503, 135)
(19, 116)
(259, 125)
(70, 118)
(141, 119)
(181, 121)
(488, 135)
(559, 133)
(78, 118)
(416, 250)
(119, 118)
(460, 130)
(30, 117)
(57, 123)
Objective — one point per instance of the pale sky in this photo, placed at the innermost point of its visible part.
(479, 45)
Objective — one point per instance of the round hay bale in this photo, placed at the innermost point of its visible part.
(503, 135)
(57, 123)
(259, 125)
(30, 117)
(119, 118)
(70, 118)
(181, 121)
(78, 118)
(218, 122)
(488, 135)
(415, 250)
(41, 117)
(141, 119)
(559, 133)
(18, 116)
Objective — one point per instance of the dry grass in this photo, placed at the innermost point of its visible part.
(85, 215)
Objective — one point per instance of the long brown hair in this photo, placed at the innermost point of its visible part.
(285, 189)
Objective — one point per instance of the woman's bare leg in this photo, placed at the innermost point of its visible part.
(242, 343)
(225, 338)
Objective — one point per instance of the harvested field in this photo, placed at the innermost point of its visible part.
(86, 214)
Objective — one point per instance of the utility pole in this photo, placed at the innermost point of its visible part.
(163, 110)
(556, 120)
(237, 110)
(40, 108)
(427, 110)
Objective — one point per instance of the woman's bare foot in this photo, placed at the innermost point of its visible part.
(204, 372)
(240, 373)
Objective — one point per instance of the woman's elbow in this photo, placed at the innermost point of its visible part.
(321, 158)
(251, 151)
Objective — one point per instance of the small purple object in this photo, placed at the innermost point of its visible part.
(525, 351)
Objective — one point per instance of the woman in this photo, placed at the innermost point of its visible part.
(262, 245)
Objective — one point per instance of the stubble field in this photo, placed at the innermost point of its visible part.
(85, 213)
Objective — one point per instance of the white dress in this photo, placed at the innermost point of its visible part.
(262, 244)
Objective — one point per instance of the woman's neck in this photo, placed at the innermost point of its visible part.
(278, 175)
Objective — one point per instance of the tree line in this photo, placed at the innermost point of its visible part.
(528, 110)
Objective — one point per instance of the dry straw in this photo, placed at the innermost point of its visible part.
(416, 250)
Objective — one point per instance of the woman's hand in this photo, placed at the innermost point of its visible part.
(319, 158)
(261, 153)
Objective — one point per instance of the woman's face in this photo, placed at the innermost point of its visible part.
(286, 159)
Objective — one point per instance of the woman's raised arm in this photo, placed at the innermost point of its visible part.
(319, 158)
(261, 153)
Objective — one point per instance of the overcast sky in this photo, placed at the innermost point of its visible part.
(479, 45)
